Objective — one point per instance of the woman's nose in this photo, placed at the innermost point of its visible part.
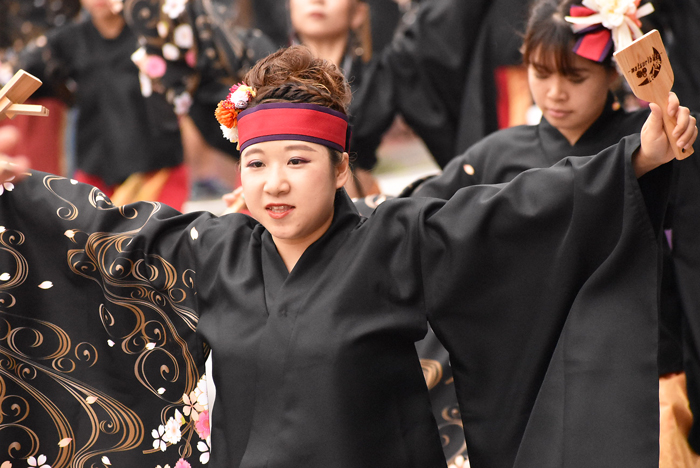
(276, 182)
(557, 88)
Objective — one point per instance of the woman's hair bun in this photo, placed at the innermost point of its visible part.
(293, 74)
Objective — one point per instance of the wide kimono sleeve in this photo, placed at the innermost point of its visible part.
(545, 292)
(99, 359)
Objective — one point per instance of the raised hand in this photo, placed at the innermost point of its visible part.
(656, 149)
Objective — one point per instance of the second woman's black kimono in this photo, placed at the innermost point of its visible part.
(503, 155)
(543, 290)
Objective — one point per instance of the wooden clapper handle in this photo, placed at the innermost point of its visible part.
(645, 66)
(15, 92)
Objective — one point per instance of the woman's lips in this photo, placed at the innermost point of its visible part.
(558, 113)
(278, 211)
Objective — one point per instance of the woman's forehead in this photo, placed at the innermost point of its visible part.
(281, 147)
(565, 62)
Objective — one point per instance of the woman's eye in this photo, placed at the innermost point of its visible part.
(296, 161)
(254, 164)
(577, 79)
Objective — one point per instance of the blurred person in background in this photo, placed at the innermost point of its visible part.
(190, 53)
(50, 146)
(339, 31)
(127, 145)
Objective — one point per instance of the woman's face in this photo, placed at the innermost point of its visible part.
(98, 8)
(289, 187)
(571, 103)
(325, 19)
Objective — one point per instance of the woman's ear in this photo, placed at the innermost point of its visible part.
(613, 78)
(342, 171)
(360, 15)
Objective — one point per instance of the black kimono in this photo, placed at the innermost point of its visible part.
(544, 291)
(505, 154)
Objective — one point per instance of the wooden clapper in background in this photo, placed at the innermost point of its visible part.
(15, 92)
(645, 66)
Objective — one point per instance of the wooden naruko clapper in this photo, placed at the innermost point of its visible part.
(645, 66)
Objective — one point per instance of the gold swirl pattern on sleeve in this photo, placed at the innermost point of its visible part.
(8, 240)
(52, 407)
(432, 372)
(147, 290)
(441, 385)
(23, 349)
(69, 213)
(108, 417)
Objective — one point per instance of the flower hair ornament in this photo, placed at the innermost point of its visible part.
(227, 111)
(604, 24)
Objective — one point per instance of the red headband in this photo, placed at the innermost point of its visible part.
(294, 121)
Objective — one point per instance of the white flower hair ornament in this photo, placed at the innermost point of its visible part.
(227, 111)
(602, 24)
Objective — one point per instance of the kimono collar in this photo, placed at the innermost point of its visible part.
(345, 219)
(345, 213)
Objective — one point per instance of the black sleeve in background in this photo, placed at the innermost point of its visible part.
(656, 189)
(678, 22)
(421, 75)
(372, 111)
(46, 62)
(670, 308)
(385, 15)
(272, 18)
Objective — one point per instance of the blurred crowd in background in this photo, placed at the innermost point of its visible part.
(418, 70)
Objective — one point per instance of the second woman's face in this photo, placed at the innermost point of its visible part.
(571, 103)
(289, 188)
(98, 8)
(323, 19)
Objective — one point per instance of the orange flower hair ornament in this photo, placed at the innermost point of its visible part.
(227, 111)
